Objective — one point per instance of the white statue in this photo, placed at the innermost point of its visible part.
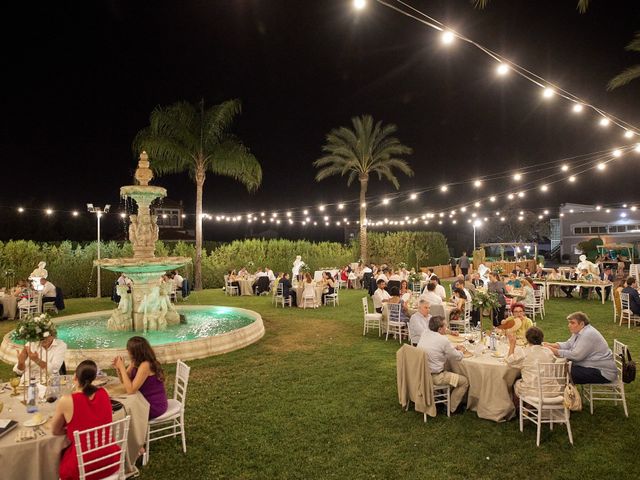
(121, 317)
(483, 271)
(297, 265)
(38, 273)
(587, 265)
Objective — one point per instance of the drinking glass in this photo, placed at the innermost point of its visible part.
(14, 382)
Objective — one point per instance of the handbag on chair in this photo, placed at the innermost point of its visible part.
(571, 397)
(628, 368)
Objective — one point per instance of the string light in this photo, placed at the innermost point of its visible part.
(359, 4)
(124, 215)
(544, 188)
(477, 183)
(617, 153)
(604, 122)
(517, 177)
(20, 210)
(564, 168)
(492, 198)
(444, 188)
(413, 196)
(548, 92)
(321, 208)
(502, 69)
(572, 178)
(340, 206)
(447, 37)
(637, 148)
(578, 108)
(385, 201)
(74, 213)
(628, 134)
(601, 166)
(48, 211)
(510, 196)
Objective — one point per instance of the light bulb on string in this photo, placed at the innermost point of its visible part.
(564, 168)
(477, 183)
(517, 177)
(492, 198)
(544, 188)
(477, 204)
(601, 166)
(628, 134)
(634, 208)
(577, 108)
(510, 196)
(546, 212)
(321, 208)
(617, 153)
(604, 122)
(447, 37)
(521, 194)
(548, 92)
(637, 147)
(463, 209)
(502, 69)
(75, 213)
(20, 210)
(385, 201)
(598, 207)
(363, 204)
(444, 188)
(340, 206)
(48, 211)
(413, 196)
(359, 4)
(502, 219)
(572, 178)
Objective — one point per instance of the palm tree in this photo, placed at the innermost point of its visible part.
(184, 137)
(630, 73)
(365, 150)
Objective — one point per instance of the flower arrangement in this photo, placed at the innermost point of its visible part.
(498, 270)
(482, 300)
(415, 278)
(35, 328)
(402, 265)
(249, 265)
(305, 269)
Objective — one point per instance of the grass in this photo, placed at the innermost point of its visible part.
(316, 399)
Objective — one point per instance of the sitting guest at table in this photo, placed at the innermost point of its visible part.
(605, 276)
(243, 273)
(328, 285)
(287, 290)
(458, 301)
(568, 289)
(309, 289)
(496, 286)
(87, 407)
(476, 281)
(404, 307)
(439, 350)
(382, 275)
(49, 354)
(517, 271)
(419, 322)
(521, 323)
(439, 289)
(233, 280)
(394, 280)
(429, 294)
(143, 374)
(539, 273)
(460, 283)
(585, 276)
(514, 281)
(380, 296)
(405, 293)
(527, 359)
(617, 290)
(529, 288)
(634, 297)
(590, 356)
(527, 272)
(48, 291)
(21, 287)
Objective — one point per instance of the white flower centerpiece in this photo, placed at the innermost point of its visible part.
(34, 329)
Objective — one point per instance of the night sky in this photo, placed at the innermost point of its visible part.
(83, 77)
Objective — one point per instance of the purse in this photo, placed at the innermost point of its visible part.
(571, 398)
(628, 368)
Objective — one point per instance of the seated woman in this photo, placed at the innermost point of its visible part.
(517, 323)
(144, 374)
(458, 301)
(514, 281)
(309, 289)
(405, 293)
(529, 291)
(233, 279)
(527, 359)
(87, 407)
(328, 285)
(404, 308)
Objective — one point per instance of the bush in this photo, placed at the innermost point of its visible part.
(417, 249)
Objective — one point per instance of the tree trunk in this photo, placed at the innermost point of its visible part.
(197, 268)
(364, 249)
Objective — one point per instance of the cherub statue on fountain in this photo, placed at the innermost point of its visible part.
(121, 317)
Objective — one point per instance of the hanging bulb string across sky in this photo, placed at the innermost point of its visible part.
(549, 89)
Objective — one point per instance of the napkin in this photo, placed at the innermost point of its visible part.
(4, 422)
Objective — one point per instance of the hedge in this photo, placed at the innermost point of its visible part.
(416, 249)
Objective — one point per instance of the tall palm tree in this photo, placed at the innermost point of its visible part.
(360, 152)
(630, 73)
(189, 138)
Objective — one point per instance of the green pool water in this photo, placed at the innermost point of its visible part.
(91, 332)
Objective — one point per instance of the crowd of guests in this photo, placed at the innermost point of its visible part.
(26, 294)
(89, 406)
(173, 279)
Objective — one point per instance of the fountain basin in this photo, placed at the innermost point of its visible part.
(210, 330)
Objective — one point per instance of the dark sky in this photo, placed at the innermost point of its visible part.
(80, 79)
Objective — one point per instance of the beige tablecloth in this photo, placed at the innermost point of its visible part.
(490, 386)
(300, 288)
(9, 306)
(40, 458)
(246, 286)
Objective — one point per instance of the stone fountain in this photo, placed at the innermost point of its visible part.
(148, 306)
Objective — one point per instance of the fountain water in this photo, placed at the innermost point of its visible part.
(148, 306)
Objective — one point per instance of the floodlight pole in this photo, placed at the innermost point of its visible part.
(99, 212)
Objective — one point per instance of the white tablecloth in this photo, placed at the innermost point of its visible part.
(9, 306)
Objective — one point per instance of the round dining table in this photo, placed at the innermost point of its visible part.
(9, 305)
(34, 452)
(246, 285)
(299, 288)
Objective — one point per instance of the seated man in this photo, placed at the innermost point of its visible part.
(419, 322)
(287, 290)
(429, 294)
(50, 349)
(527, 359)
(381, 295)
(517, 271)
(605, 276)
(634, 297)
(438, 349)
(591, 357)
(48, 291)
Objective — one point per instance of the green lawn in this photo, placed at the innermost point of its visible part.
(316, 399)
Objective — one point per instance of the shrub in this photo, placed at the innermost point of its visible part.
(417, 249)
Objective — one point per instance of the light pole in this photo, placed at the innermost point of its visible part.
(475, 224)
(99, 212)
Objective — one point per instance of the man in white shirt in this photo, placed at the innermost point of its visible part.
(438, 350)
(48, 353)
(380, 296)
(439, 289)
(261, 273)
(177, 279)
(419, 322)
(272, 277)
(430, 295)
(48, 291)
(382, 276)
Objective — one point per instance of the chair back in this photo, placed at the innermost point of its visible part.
(102, 448)
(624, 301)
(182, 380)
(415, 288)
(619, 353)
(365, 305)
(394, 312)
(552, 378)
(280, 290)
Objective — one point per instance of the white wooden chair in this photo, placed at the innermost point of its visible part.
(231, 289)
(617, 315)
(548, 405)
(333, 297)
(94, 441)
(441, 394)
(463, 324)
(535, 308)
(279, 296)
(626, 314)
(609, 392)
(309, 298)
(371, 320)
(32, 307)
(394, 325)
(171, 423)
(415, 289)
(47, 306)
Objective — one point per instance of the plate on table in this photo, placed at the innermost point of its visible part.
(497, 355)
(467, 354)
(35, 420)
(100, 381)
(456, 338)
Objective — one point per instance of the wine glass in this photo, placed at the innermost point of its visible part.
(14, 382)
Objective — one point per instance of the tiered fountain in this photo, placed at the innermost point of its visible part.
(100, 336)
(148, 307)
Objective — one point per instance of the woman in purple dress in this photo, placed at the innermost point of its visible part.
(144, 374)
